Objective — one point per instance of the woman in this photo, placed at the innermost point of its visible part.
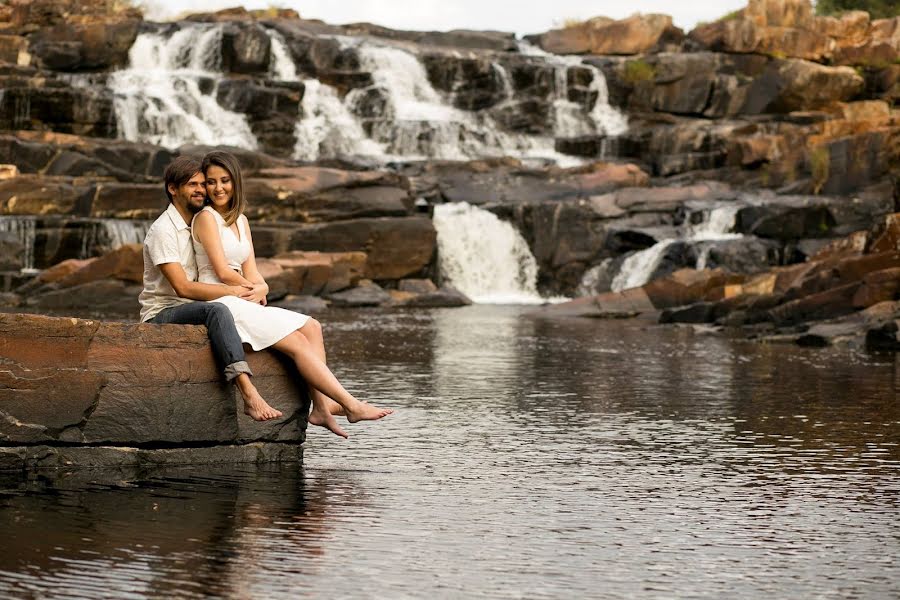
(224, 250)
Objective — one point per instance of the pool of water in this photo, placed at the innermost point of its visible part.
(528, 458)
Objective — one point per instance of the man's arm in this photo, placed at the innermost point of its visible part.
(194, 290)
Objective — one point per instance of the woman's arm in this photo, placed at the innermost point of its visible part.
(251, 272)
(185, 288)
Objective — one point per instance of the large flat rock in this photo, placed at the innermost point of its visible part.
(68, 382)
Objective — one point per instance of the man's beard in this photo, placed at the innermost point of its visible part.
(195, 208)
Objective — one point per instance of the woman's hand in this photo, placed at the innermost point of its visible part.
(241, 291)
(258, 293)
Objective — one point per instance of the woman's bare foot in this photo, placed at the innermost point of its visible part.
(324, 418)
(366, 412)
(334, 408)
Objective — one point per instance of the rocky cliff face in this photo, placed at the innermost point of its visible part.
(598, 141)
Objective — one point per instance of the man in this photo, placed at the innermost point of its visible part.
(171, 288)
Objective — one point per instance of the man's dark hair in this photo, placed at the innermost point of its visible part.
(179, 172)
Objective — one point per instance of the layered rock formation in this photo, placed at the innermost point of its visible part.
(768, 98)
(847, 292)
(104, 393)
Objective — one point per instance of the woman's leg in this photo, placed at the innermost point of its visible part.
(320, 377)
(312, 331)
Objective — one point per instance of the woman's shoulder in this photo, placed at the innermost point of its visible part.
(206, 214)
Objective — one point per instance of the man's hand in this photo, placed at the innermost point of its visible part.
(241, 291)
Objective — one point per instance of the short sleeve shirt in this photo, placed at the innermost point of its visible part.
(168, 241)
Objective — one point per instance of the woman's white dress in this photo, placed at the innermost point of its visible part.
(258, 325)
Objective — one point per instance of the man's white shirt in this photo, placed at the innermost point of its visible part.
(168, 241)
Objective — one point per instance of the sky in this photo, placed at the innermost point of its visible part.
(522, 17)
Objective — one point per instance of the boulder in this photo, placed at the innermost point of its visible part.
(445, 297)
(125, 263)
(91, 383)
(99, 298)
(473, 83)
(12, 251)
(315, 273)
(634, 35)
(246, 48)
(51, 103)
(85, 45)
(793, 85)
(366, 294)
(396, 247)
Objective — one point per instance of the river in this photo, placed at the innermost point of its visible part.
(528, 458)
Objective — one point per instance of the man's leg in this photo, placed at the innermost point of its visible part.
(226, 345)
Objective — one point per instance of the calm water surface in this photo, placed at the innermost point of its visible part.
(527, 459)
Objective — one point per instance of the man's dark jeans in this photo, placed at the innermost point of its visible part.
(223, 336)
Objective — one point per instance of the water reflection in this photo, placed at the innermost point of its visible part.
(528, 458)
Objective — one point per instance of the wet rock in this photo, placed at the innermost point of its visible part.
(104, 297)
(396, 247)
(699, 312)
(308, 305)
(445, 297)
(50, 103)
(90, 382)
(473, 83)
(742, 255)
(11, 251)
(367, 294)
(310, 194)
(84, 46)
(272, 109)
(315, 273)
(884, 338)
(246, 48)
(416, 286)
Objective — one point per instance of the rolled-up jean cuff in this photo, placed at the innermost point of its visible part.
(236, 368)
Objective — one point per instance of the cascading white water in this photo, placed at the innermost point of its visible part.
(158, 98)
(25, 228)
(484, 257)
(328, 129)
(637, 269)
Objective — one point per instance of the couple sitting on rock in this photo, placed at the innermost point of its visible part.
(200, 249)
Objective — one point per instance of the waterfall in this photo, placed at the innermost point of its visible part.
(638, 268)
(484, 257)
(167, 94)
(25, 228)
(328, 129)
(282, 67)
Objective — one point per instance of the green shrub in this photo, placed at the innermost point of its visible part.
(819, 166)
(878, 9)
(637, 71)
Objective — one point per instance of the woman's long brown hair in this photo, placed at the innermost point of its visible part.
(227, 161)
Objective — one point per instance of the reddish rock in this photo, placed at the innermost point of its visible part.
(886, 236)
(635, 35)
(125, 263)
(313, 273)
(128, 384)
(879, 286)
(687, 286)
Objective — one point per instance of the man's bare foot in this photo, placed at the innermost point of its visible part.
(324, 418)
(366, 412)
(254, 405)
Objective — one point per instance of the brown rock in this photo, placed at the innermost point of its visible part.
(14, 50)
(312, 273)
(416, 286)
(396, 248)
(77, 46)
(687, 286)
(878, 286)
(886, 236)
(828, 304)
(635, 35)
(87, 382)
(125, 263)
(128, 201)
(779, 13)
(604, 175)
(42, 195)
(850, 29)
